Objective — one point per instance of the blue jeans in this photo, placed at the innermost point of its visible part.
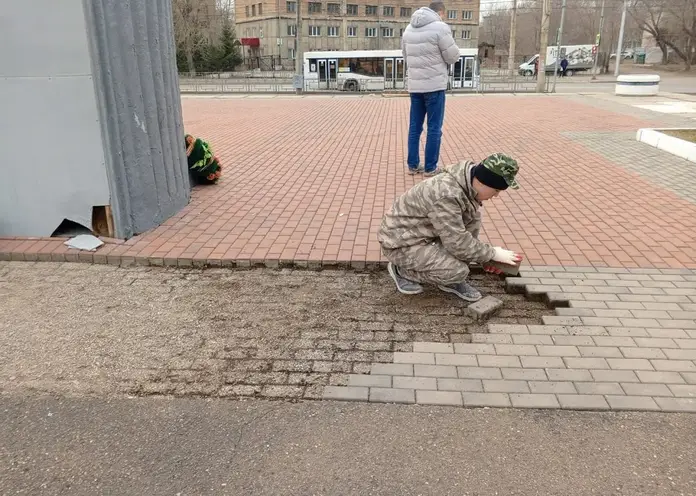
(433, 105)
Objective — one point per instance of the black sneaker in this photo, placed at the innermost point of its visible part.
(403, 285)
(465, 291)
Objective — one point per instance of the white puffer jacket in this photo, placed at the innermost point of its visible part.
(428, 47)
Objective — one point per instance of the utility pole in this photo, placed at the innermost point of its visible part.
(544, 42)
(599, 41)
(619, 46)
(299, 58)
(558, 44)
(513, 39)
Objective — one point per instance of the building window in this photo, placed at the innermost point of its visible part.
(370, 32)
(253, 10)
(454, 33)
(314, 8)
(246, 10)
(332, 31)
(352, 10)
(291, 6)
(370, 10)
(401, 32)
(260, 9)
(292, 54)
(387, 32)
(405, 12)
(466, 34)
(467, 15)
(292, 30)
(451, 14)
(314, 30)
(352, 31)
(333, 8)
(388, 11)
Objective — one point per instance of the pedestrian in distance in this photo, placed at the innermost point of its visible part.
(428, 50)
(430, 235)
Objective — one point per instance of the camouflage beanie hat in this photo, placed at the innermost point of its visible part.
(498, 171)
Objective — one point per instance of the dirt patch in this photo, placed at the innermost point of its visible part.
(685, 134)
(76, 328)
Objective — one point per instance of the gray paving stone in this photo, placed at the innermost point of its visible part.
(612, 313)
(582, 402)
(656, 343)
(677, 324)
(599, 388)
(639, 322)
(401, 382)
(641, 403)
(683, 390)
(507, 329)
(450, 398)
(648, 377)
(586, 363)
(474, 349)
(498, 361)
(673, 365)
(642, 353)
(588, 304)
(455, 359)
(570, 375)
(479, 373)
(370, 380)
(529, 362)
(614, 341)
(493, 386)
(552, 387)
(524, 374)
(614, 376)
(484, 308)
(533, 339)
(548, 329)
(391, 369)
(472, 385)
(559, 351)
(680, 354)
(345, 393)
(686, 344)
(391, 395)
(651, 314)
(561, 321)
(573, 341)
(480, 338)
(515, 349)
(486, 399)
(643, 389)
(667, 333)
(587, 331)
(689, 377)
(629, 364)
(435, 371)
(601, 351)
(433, 347)
(534, 401)
(677, 404)
(633, 332)
(423, 358)
(601, 297)
(575, 312)
(625, 305)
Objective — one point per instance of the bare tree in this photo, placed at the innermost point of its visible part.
(190, 20)
(652, 17)
(684, 14)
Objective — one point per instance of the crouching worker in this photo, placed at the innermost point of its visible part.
(430, 235)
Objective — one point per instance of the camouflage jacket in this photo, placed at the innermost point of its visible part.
(442, 207)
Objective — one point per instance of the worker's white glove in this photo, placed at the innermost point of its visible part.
(506, 256)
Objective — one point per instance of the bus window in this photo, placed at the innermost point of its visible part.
(312, 65)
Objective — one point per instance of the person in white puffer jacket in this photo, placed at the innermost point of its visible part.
(428, 48)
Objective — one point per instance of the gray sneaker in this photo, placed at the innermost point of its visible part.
(417, 170)
(465, 291)
(403, 285)
(435, 172)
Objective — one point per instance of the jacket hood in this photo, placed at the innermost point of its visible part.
(462, 174)
(423, 17)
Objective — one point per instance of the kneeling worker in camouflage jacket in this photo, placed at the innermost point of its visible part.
(430, 235)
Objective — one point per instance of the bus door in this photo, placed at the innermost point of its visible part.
(389, 74)
(323, 71)
(399, 77)
(468, 75)
(331, 75)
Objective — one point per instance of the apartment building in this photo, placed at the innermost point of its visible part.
(268, 27)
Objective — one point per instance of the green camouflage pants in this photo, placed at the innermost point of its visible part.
(428, 264)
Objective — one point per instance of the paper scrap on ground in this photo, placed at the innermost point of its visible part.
(84, 242)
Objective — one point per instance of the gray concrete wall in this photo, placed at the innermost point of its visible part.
(89, 115)
(134, 64)
(52, 164)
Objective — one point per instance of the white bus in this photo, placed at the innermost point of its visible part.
(376, 70)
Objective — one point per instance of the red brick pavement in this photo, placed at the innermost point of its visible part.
(308, 180)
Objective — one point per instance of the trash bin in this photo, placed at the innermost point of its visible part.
(640, 58)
